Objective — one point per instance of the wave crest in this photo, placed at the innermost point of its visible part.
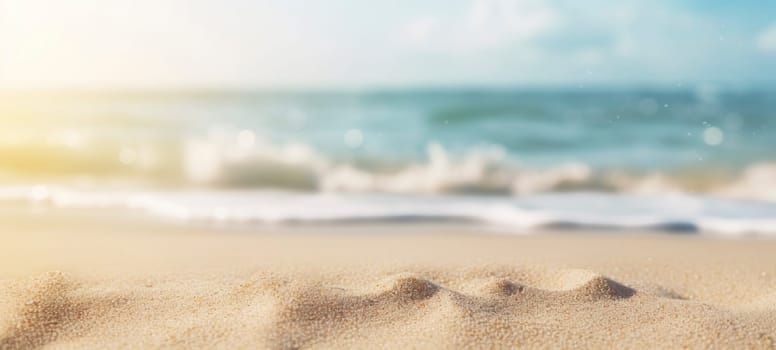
(486, 169)
(244, 160)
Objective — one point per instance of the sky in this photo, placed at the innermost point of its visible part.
(353, 43)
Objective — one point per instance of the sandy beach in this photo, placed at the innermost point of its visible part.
(469, 174)
(66, 284)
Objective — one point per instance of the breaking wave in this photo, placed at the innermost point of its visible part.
(486, 169)
(248, 162)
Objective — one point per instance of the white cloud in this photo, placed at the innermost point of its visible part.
(766, 41)
(421, 30)
(494, 22)
(487, 24)
(564, 40)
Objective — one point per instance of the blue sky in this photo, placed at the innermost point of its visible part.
(351, 43)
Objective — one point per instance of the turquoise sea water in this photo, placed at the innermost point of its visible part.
(424, 154)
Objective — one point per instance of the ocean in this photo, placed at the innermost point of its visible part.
(699, 159)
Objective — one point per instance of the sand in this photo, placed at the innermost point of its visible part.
(65, 283)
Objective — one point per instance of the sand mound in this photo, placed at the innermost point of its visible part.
(588, 284)
(48, 306)
(502, 287)
(365, 309)
(43, 307)
(407, 287)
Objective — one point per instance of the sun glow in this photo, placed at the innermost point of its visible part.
(141, 43)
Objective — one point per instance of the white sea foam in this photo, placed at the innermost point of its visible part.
(483, 169)
(682, 213)
(757, 181)
(298, 166)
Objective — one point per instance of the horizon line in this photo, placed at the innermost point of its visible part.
(764, 85)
